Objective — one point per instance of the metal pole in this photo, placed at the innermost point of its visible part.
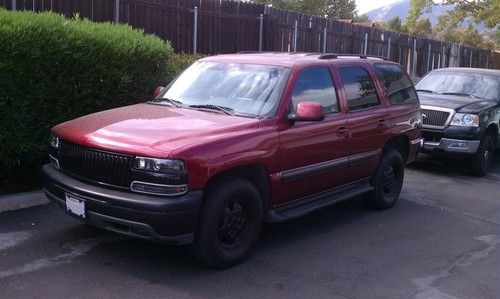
(429, 57)
(195, 30)
(325, 35)
(414, 66)
(261, 31)
(365, 46)
(14, 2)
(295, 37)
(389, 49)
(470, 62)
(117, 11)
(443, 61)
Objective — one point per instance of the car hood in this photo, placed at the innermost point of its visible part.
(149, 130)
(462, 104)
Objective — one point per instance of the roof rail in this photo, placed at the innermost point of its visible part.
(335, 56)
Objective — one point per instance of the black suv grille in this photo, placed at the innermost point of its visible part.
(435, 118)
(97, 166)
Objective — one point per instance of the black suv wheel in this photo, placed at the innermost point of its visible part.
(229, 224)
(480, 164)
(387, 181)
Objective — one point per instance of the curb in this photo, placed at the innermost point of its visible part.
(22, 200)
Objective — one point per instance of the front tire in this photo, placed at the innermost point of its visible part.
(480, 164)
(387, 181)
(230, 222)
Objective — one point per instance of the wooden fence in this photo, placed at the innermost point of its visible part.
(214, 26)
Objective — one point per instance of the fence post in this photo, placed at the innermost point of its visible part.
(117, 11)
(14, 2)
(443, 61)
(325, 36)
(261, 31)
(195, 30)
(470, 59)
(429, 57)
(295, 37)
(389, 48)
(365, 46)
(414, 66)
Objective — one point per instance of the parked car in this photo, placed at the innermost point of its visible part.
(461, 114)
(235, 141)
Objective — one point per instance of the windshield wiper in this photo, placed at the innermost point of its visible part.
(455, 93)
(225, 110)
(174, 103)
(426, 90)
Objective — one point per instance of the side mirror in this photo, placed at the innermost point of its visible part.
(158, 91)
(308, 111)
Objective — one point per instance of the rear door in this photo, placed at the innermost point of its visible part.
(314, 154)
(367, 120)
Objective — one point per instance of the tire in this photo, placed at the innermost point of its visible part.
(230, 222)
(480, 164)
(387, 181)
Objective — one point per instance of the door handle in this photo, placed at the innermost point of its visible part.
(342, 131)
(382, 123)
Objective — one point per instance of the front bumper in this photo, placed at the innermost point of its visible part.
(448, 145)
(169, 220)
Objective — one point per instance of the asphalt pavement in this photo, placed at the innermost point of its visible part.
(441, 241)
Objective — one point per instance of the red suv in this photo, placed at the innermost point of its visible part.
(235, 141)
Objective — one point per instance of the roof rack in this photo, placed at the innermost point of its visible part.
(335, 56)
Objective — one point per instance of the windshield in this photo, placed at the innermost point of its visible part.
(469, 84)
(236, 89)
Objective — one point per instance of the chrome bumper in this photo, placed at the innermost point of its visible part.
(453, 146)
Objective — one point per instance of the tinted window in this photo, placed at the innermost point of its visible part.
(397, 84)
(315, 85)
(359, 88)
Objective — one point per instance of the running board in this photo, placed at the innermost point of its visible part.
(315, 202)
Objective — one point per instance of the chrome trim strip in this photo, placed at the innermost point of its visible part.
(56, 162)
(159, 185)
(448, 120)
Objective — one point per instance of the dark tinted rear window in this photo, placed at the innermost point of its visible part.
(397, 84)
(359, 88)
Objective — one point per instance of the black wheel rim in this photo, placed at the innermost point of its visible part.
(391, 181)
(233, 225)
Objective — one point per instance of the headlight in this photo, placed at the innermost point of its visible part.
(54, 141)
(159, 165)
(465, 120)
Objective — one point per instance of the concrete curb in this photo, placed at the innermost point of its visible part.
(22, 200)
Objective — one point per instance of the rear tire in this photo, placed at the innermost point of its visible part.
(230, 223)
(387, 181)
(480, 164)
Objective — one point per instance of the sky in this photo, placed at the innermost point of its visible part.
(365, 6)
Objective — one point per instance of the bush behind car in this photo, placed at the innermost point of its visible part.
(53, 69)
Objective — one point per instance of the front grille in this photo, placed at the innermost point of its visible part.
(434, 117)
(97, 166)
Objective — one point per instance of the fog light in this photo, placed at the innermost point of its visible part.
(157, 189)
(458, 145)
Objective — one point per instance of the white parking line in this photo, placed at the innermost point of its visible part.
(77, 249)
(12, 239)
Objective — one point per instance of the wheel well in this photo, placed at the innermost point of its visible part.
(257, 174)
(493, 131)
(399, 143)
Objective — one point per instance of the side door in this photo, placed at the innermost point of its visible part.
(313, 154)
(367, 120)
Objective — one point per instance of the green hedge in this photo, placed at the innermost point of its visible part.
(53, 69)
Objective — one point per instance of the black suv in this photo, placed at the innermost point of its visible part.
(461, 114)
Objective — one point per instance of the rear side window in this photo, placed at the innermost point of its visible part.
(315, 85)
(359, 88)
(397, 84)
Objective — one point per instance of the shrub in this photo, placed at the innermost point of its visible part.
(53, 69)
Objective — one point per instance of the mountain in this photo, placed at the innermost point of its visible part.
(400, 9)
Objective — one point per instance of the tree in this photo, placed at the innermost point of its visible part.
(486, 11)
(335, 9)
